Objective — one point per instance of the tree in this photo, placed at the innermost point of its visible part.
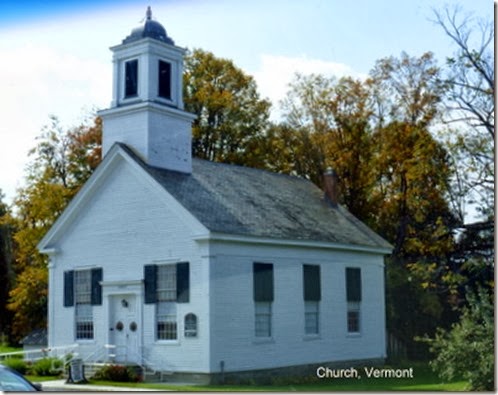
(62, 161)
(331, 124)
(467, 349)
(471, 81)
(6, 269)
(412, 172)
(407, 89)
(231, 116)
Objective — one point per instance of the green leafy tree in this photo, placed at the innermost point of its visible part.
(467, 349)
(231, 116)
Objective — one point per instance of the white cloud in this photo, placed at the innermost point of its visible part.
(276, 72)
(39, 81)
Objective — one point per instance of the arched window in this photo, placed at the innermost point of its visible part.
(190, 325)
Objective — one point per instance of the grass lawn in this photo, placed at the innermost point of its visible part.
(4, 349)
(423, 380)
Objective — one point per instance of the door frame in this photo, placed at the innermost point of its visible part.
(112, 289)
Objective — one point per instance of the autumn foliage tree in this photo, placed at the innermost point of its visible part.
(327, 124)
(376, 134)
(62, 161)
(231, 116)
(6, 267)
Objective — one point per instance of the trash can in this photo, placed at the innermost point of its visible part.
(76, 371)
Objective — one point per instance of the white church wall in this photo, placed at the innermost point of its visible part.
(233, 335)
(125, 225)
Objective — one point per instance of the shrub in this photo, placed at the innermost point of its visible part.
(467, 350)
(17, 364)
(116, 373)
(47, 367)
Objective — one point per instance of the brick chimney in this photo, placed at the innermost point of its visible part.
(331, 186)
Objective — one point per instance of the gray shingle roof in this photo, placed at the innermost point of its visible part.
(239, 200)
(36, 338)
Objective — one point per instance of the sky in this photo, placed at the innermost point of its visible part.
(55, 57)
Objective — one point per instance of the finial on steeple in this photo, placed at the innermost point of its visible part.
(148, 14)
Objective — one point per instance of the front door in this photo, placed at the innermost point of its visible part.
(124, 328)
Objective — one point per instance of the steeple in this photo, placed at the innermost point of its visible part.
(146, 111)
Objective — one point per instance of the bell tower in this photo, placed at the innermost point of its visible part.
(147, 111)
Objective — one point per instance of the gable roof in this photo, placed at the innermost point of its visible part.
(236, 200)
(36, 338)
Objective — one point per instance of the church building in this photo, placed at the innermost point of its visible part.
(200, 269)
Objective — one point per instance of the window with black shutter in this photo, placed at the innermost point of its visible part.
(263, 298)
(165, 286)
(312, 296)
(353, 297)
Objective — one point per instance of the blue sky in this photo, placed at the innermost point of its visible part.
(56, 58)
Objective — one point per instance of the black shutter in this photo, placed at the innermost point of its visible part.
(353, 284)
(311, 283)
(182, 282)
(69, 288)
(263, 282)
(96, 287)
(150, 283)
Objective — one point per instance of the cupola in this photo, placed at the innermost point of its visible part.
(146, 111)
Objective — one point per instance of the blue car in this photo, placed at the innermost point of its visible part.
(10, 380)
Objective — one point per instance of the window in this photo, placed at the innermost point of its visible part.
(164, 80)
(353, 317)
(165, 309)
(83, 299)
(353, 297)
(165, 286)
(263, 298)
(311, 315)
(166, 321)
(190, 325)
(166, 283)
(131, 78)
(312, 296)
(82, 290)
(263, 319)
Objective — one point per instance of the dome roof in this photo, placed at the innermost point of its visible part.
(150, 28)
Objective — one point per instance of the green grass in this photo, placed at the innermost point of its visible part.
(423, 380)
(5, 349)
